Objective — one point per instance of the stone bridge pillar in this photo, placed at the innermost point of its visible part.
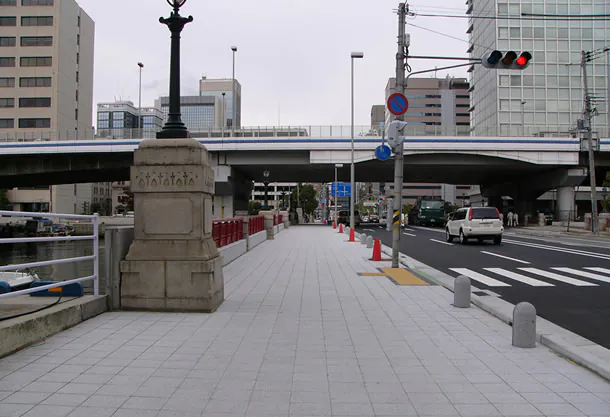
(173, 263)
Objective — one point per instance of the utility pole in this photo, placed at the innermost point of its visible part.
(401, 57)
(587, 120)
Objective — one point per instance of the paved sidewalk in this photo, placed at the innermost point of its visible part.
(300, 334)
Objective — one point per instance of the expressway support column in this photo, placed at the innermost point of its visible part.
(565, 203)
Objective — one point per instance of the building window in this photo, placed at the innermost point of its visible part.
(76, 95)
(8, 41)
(7, 62)
(7, 102)
(36, 21)
(36, 61)
(77, 77)
(76, 114)
(8, 21)
(34, 123)
(7, 82)
(7, 123)
(35, 102)
(77, 58)
(8, 2)
(78, 39)
(37, 2)
(37, 41)
(35, 82)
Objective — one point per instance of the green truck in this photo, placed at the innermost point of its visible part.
(427, 211)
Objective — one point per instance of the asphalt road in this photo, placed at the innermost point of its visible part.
(566, 279)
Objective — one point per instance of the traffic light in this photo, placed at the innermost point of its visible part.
(510, 60)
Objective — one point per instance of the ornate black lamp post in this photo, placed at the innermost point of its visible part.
(174, 127)
(266, 184)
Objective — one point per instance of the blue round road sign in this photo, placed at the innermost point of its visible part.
(398, 104)
(383, 152)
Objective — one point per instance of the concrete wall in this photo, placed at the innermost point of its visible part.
(233, 251)
(256, 239)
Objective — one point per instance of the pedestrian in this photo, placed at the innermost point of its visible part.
(516, 219)
(510, 219)
(502, 218)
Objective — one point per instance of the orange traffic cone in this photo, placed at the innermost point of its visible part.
(351, 235)
(377, 251)
(340, 227)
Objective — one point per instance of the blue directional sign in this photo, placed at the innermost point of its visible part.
(344, 189)
(383, 152)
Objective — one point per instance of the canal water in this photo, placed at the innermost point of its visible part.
(20, 253)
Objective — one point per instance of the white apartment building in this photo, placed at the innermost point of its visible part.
(46, 86)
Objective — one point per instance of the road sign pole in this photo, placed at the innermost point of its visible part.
(399, 161)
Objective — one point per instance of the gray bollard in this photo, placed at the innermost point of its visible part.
(363, 239)
(524, 325)
(461, 292)
(347, 230)
(369, 242)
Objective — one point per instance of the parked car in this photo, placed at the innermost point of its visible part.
(481, 223)
(373, 218)
(344, 217)
(365, 219)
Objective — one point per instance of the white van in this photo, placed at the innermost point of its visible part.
(481, 223)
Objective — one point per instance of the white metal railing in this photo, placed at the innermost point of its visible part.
(95, 257)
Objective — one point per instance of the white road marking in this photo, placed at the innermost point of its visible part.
(484, 279)
(368, 230)
(409, 234)
(556, 249)
(440, 241)
(557, 277)
(596, 269)
(518, 277)
(505, 257)
(584, 274)
(409, 230)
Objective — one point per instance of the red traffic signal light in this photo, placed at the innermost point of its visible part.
(524, 59)
(497, 60)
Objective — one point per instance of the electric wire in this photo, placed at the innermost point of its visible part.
(449, 36)
(575, 18)
(31, 312)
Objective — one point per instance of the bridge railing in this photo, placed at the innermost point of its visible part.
(227, 231)
(256, 224)
(301, 132)
(94, 257)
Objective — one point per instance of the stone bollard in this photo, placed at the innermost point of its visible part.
(369, 242)
(461, 292)
(347, 230)
(524, 325)
(363, 239)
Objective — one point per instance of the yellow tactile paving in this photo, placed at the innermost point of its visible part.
(403, 277)
(373, 274)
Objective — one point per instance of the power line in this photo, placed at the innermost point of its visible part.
(449, 36)
(600, 18)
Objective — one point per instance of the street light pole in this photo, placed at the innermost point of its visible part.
(336, 187)
(140, 100)
(223, 115)
(174, 128)
(233, 100)
(354, 55)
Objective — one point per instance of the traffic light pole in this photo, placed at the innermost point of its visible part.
(401, 57)
(587, 115)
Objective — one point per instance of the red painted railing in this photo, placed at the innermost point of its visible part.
(227, 231)
(256, 224)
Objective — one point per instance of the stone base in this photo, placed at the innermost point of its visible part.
(173, 286)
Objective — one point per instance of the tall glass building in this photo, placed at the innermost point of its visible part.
(546, 98)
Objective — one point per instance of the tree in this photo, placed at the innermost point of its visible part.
(253, 208)
(308, 198)
(127, 199)
(96, 208)
(606, 184)
(4, 201)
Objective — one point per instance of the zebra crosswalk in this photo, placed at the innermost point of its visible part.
(500, 277)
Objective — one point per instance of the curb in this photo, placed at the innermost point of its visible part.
(547, 333)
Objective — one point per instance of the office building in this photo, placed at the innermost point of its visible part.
(119, 120)
(547, 97)
(46, 85)
(199, 113)
(437, 106)
(278, 194)
(223, 90)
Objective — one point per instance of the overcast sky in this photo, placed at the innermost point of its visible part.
(294, 55)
